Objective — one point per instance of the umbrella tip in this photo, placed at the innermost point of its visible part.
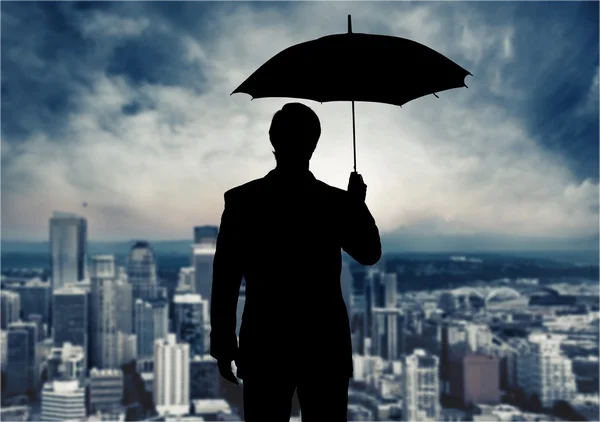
(349, 24)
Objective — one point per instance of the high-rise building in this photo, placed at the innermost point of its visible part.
(203, 255)
(543, 370)
(21, 371)
(63, 400)
(106, 390)
(420, 387)
(104, 312)
(171, 376)
(141, 271)
(475, 379)
(346, 281)
(10, 308)
(36, 296)
(127, 347)
(152, 323)
(390, 285)
(68, 248)
(125, 303)
(66, 362)
(71, 313)
(388, 337)
(205, 380)
(188, 321)
(186, 280)
(206, 235)
(3, 348)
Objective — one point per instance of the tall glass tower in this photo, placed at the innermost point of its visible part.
(68, 248)
(141, 271)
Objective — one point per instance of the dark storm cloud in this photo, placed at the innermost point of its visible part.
(126, 84)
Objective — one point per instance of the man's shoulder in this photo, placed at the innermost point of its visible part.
(245, 189)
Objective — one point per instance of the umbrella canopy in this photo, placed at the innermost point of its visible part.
(355, 67)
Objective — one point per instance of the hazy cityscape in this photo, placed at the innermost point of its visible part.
(436, 337)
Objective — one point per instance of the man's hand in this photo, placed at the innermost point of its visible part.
(226, 372)
(356, 186)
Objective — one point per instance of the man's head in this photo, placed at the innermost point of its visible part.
(294, 133)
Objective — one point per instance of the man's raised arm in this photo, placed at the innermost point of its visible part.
(360, 235)
(227, 278)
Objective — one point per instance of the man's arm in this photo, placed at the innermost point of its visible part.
(360, 235)
(227, 278)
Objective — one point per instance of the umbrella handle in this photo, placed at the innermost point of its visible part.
(354, 136)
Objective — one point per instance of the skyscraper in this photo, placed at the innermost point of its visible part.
(171, 376)
(420, 387)
(203, 255)
(68, 248)
(388, 338)
(124, 306)
(189, 321)
(390, 285)
(63, 400)
(36, 296)
(544, 370)
(152, 323)
(104, 312)
(10, 308)
(346, 281)
(21, 356)
(141, 271)
(205, 235)
(71, 312)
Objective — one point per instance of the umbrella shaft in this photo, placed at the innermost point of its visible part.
(354, 136)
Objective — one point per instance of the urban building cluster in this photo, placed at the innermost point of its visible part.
(103, 341)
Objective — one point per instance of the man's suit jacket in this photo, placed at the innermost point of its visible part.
(285, 236)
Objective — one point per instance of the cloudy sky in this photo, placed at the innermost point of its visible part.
(126, 106)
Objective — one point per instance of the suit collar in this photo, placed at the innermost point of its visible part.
(277, 175)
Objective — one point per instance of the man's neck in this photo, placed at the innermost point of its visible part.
(295, 169)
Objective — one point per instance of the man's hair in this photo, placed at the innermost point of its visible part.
(295, 131)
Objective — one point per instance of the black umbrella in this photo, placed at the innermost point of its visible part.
(355, 67)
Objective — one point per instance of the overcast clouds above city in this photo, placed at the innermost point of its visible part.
(126, 106)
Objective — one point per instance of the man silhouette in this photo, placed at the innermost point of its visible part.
(284, 233)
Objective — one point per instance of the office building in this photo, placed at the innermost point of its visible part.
(390, 286)
(388, 333)
(21, 368)
(104, 348)
(420, 387)
(171, 376)
(66, 363)
(543, 369)
(203, 255)
(71, 313)
(152, 323)
(124, 292)
(106, 390)
(205, 380)
(36, 297)
(205, 235)
(188, 321)
(10, 308)
(186, 280)
(63, 401)
(141, 271)
(475, 379)
(68, 248)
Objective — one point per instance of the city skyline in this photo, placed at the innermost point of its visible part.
(136, 121)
